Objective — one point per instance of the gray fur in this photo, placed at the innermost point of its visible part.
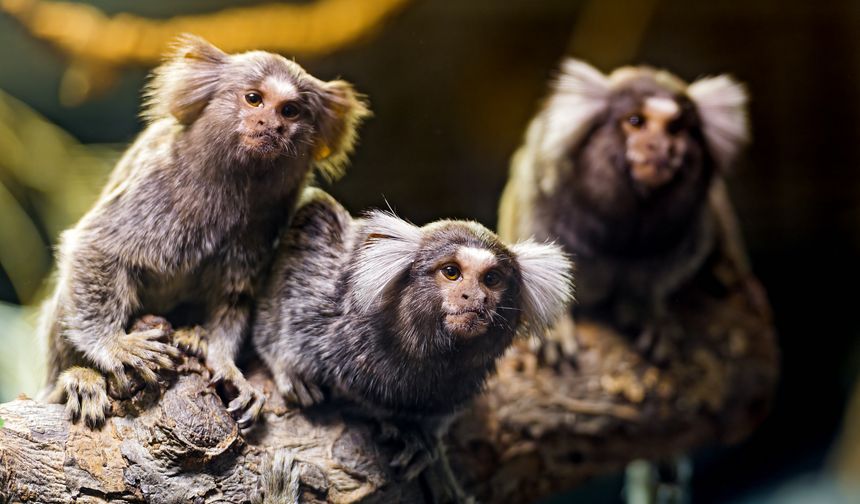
(316, 326)
(189, 216)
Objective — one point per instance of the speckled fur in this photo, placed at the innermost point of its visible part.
(189, 216)
(392, 353)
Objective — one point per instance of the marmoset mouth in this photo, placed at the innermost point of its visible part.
(467, 323)
(266, 144)
(652, 173)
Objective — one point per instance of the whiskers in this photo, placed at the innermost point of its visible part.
(497, 319)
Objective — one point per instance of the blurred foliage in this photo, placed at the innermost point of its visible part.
(47, 181)
(98, 44)
(22, 362)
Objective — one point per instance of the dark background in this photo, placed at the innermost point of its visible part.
(454, 83)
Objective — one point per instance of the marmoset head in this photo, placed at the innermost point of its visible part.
(453, 285)
(257, 106)
(660, 131)
(641, 127)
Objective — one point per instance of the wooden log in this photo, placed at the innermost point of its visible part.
(541, 429)
(186, 448)
(537, 430)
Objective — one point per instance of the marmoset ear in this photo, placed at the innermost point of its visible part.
(546, 284)
(385, 255)
(343, 109)
(580, 93)
(185, 82)
(722, 105)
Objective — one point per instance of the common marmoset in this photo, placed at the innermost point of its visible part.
(189, 218)
(407, 322)
(620, 170)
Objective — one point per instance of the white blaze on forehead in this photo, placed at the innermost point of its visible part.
(282, 88)
(475, 257)
(666, 107)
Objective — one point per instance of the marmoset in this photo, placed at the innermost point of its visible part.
(620, 169)
(189, 219)
(404, 321)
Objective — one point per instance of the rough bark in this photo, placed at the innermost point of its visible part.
(538, 429)
(542, 429)
(184, 448)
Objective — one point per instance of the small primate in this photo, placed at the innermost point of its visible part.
(188, 220)
(404, 322)
(620, 170)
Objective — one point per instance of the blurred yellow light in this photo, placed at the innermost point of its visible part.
(98, 44)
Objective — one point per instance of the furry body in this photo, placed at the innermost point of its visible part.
(187, 222)
(392, 351)
(371, 311)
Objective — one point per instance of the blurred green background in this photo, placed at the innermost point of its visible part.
(453, 85)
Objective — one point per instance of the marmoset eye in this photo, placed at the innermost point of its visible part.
(254, 99)
(290, 110)
(451, 272)
(636, 120)
(492, 279)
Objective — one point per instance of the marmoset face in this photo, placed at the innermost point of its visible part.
(275, 113)
(472, 283)
(255, 106)
(441, 287)
(656, 127)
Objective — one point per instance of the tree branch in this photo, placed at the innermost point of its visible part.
(538, 429)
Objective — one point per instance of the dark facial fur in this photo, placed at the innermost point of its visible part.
(191, 211)
(376, 314)
(642, 172)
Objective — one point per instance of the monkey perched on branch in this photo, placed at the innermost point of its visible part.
(619, 169)
(404, 322)
(187, 222)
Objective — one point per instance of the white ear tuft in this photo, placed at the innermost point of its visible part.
(579, 94)
(722, 105)
(385, 254)
(547, 283)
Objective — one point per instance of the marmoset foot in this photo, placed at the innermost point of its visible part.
(192, 340)
(559, 344)
(298, 391)
(420, 449)
(143, 353)
(85, 393)
(249, 401)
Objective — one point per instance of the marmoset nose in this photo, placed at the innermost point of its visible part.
(474, 297)
(657, 144)
(651, 145)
